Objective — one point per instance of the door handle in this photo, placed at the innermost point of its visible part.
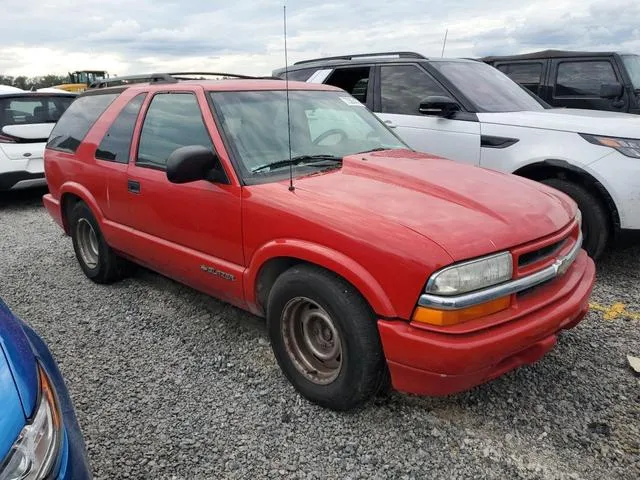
(133, 186)
(389, 124)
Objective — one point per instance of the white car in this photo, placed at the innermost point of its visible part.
(26, 120)
(468, 111)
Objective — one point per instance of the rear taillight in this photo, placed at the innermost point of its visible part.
(6, 139)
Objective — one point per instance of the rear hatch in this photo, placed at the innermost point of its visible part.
(26, 120)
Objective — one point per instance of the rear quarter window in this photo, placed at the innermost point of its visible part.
(77, 120)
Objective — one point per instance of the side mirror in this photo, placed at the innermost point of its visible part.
(611, 90)
(192, 163)
(439, 106)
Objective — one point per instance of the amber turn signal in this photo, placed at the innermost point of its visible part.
(433, 316)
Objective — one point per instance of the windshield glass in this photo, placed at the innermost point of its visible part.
(487, 88)
(632, 62)
(32, 109)
(322, 123)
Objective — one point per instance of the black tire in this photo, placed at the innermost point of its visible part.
(108, 267)
(596, 225)
(362, 364)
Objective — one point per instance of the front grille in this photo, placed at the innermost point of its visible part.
(540, 254)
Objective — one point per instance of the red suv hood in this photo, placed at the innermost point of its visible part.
(469, 211)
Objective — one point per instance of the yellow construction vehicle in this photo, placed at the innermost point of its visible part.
(80, 80)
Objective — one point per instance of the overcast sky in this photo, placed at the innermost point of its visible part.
(243, 36)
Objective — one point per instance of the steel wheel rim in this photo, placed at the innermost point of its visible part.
(87, 243)
(312, 340)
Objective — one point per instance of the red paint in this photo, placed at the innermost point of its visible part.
(385, 222)
(441, 363)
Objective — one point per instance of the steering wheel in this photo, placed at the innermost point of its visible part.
(328, 133)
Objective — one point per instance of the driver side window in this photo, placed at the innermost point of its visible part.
(173, 120)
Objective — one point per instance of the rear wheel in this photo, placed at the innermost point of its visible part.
(97, 260)
(325, 338)
(595, 220)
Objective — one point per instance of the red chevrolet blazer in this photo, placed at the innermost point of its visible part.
(369, 260)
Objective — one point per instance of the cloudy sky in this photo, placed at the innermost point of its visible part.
(245, 36)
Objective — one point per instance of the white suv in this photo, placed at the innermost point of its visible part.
(468, 111)
(26, 120)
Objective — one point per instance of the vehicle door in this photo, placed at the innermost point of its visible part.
(577, 83)
(191, 231)
(400, 89)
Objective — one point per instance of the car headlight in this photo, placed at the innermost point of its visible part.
(473, 275)
(35, 452)
(626, 146)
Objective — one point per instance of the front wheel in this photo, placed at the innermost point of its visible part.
(595, 220)
(325, 338)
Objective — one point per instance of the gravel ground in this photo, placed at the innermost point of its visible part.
(169, 383)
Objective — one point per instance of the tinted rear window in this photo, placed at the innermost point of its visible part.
(77, 120)
(32, 109)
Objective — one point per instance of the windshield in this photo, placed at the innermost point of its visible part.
(32, 109)
(487, 88)
(632, 62)
(322, 123)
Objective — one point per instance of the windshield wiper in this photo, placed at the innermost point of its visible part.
(307, 159)
(378, 149)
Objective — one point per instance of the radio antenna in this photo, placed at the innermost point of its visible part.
(444, 43)
(286, 88)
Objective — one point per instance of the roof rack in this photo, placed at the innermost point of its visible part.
(167, 78)
(127, 79)
(365, 55)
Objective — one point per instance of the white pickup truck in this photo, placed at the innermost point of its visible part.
(468, 111)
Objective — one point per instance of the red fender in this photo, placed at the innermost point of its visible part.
(82, 192)
(325, 257)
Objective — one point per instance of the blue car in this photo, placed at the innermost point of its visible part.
(39, 434)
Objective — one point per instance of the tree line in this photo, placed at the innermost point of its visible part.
(27, 83)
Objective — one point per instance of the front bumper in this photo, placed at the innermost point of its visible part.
(619, 175)
(438, 362)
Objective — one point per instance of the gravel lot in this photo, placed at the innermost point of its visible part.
(169, 383)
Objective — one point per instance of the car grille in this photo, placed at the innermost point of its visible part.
(539, 254)
(534, 256)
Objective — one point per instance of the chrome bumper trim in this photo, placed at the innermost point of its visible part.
(559, 267)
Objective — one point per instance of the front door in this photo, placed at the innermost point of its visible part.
(190, 232)
(402, 88)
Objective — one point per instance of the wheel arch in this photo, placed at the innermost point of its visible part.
(70, 195)
(273, 259)
(552, 168)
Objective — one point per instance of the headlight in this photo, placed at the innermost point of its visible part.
(472, 275)
(626, 146)
(35, 452)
